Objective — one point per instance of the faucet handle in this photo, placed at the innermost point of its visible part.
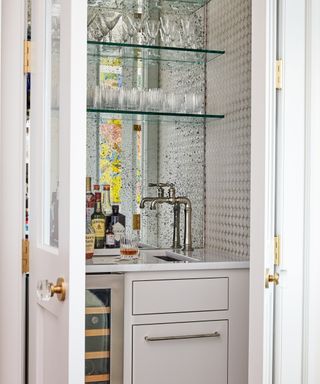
(159, 187)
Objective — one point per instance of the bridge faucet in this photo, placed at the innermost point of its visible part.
(180, 200)
(176, 244)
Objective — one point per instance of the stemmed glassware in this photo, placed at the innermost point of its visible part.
(188, 32)
(101, 23)
(152, 27)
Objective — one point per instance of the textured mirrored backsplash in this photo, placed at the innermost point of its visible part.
(129, 152)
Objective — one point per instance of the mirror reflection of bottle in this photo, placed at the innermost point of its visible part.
(106, 201)
(118, 222)
(110, 242)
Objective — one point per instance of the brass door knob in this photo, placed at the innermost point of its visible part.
(46, 290)
(271, 278)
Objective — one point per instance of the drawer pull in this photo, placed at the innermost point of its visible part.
(182, 337)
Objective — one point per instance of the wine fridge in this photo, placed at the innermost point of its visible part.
(104, 329)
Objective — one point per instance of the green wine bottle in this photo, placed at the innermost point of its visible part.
(98, 222)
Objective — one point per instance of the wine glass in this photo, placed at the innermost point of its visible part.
(129, 27)
(111, 20)
(92, 13)
(188, 31)
(152, 27)
(107, 22)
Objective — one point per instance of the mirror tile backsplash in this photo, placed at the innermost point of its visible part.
(209, 163)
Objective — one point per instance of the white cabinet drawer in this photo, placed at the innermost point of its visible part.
(180, 353)
(180, 295)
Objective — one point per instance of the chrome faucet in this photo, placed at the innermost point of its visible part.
(172, 199)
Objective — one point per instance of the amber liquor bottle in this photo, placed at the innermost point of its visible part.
(98, 222)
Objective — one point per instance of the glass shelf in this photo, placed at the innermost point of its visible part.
(169, 6)
(98, 50)
(148, 116)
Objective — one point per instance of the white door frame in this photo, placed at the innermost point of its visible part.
(288, 329)
(262, 189)
(311, 347)
(12, 192)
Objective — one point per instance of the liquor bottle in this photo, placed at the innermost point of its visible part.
(98, 222)
(110, 241)
(89, 201)
(118, 222)
(90, 239)
(106, 201)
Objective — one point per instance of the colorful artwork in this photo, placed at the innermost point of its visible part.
(111, 140)
(110, 157)
(111, 72)
(111, 132)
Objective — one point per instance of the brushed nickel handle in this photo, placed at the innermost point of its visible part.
(182, 337)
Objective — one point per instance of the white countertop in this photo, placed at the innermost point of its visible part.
(108, 260)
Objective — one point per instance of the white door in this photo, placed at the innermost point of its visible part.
(276, 313)
(288, 327)
(263, 149)
(57, 191)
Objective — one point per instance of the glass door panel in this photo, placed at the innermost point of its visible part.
(52, 116)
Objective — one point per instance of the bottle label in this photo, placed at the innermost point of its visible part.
(118, 230)
(110, 240)
(90, 237)
(99, 227)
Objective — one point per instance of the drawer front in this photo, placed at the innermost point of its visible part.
(181, 295)
(180, 353)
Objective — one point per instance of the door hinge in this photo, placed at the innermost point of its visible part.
(25, 256)
(27, 57)
(279, 74)
(277, 250)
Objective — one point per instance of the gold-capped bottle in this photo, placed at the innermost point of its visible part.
(98, 222)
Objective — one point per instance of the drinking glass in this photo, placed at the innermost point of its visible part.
(128, 25)
(111, 19)
(165, 30)
(188, 32)
(133, 99)
(152, 27)
(128, 247)
(92, 13)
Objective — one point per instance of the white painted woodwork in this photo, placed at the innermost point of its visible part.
(262, 190)
(288, 330)
(190, 361)
(184, 295)
(57, 328)
(141, 357)
(12, 192)
(311, 347)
